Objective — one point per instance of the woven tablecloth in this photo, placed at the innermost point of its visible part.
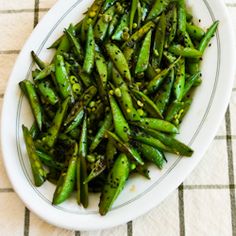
(204, 204)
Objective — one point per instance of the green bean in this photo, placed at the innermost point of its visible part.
(179, 82)
(208, 36)
(83, 169)
(134, 6)
(144, 6)
(96, 114)
(125, 148)
(149, 140)
(187, 40)
(29, 90)
(35, 72)
(66, 181)
(102, 75)
(65, 44)
(121, 125)
(124, 97)
(113, 24)
(150, 73)
(101, 66)
(176, 119)
(148, 104)
(109, 70)
(34, 131)
(119, 60)
(91, 17)
(155, 83)
(181, 18)
(144, 54)
(152, 154)
(115, 183)
(84, 100)
(49, 160)
(195, 32)
(110, 153)
(171, 27)
(163, 96)
(157, 124)
(176, 146)
(62, 79)
(47, 92)
(143, 170)
(189, 84)
(179, 50)
(38, 172)
(158, 7)
(45, 72)
(99, 167)
(84, 77)
(38, 61)
(76, 43)
(101, 27)
(193, 66)
(122, 28)
(52, 133)
(173, 109)
(78, 180)
(107, 4)
(159, 41)
(129, 54)
(138, 16)
(77, 120)
(183, 112)
(138, 35)
(169, 56)
(90, 51)
(101, 132)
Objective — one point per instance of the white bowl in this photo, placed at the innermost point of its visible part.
(140, 195)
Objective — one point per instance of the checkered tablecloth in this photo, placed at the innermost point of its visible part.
(204, 204)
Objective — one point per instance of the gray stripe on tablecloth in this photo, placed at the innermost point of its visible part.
(77, 233)
(36, 12)
(223, 137)
(26, 222)
(230, 170)
(3, 52)
(6, 190)
(15, 11)
(130, 228)
(181, 210)
(27, 212)
(209, 187)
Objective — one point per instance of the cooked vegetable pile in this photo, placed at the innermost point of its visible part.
(113, 97)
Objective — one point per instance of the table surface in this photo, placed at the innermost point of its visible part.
(204, 204)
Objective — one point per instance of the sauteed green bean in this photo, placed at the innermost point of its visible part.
(113, 97)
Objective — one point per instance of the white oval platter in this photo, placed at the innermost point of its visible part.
(140, 195)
